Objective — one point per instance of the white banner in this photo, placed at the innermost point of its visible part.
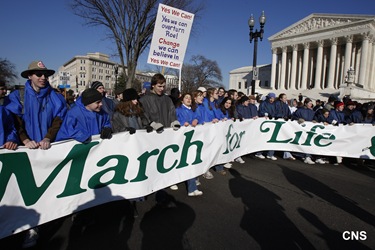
(170, 38)
(37, 186)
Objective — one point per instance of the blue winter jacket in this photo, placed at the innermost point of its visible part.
(267, 107)
(243, 111)
(210, 113)
(200, 114)
(184, 114)
(282, 109)
(7, 130)
(220, 115)
(80, 124)
(338, 116)
(304, 113)
(40, 109)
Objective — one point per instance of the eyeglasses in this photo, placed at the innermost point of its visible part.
(40, 74)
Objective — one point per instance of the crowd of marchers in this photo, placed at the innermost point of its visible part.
(36, 115)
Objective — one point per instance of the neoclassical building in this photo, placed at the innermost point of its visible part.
(317, 52)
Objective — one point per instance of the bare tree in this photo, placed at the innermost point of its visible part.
(201, 72)
(7, 71)
(129, 23)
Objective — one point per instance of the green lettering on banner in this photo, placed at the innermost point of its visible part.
(185, 150)
(233, 141)
(143, 164)
(160, 161)
(119, 169)
(19, 165)
(275, 131)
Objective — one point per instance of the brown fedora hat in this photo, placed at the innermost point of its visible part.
(37, 66)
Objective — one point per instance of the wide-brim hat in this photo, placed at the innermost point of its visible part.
(37, 66)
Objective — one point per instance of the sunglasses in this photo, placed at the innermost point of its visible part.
(40, 74)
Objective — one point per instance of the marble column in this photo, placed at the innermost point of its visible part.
(348, 53)
(332, 64)
(283, 68)
(364, 56)
(305, 66)
(294, 67)
(273, 68)
(318, 69)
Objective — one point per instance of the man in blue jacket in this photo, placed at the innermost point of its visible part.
(37, 109)
(85, 119)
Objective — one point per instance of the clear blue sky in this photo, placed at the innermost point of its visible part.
(47, 30)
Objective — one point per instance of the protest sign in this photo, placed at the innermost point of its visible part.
(170, 38)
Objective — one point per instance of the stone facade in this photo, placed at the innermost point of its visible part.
(317, 52)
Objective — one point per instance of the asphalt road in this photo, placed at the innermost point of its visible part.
(261, 204)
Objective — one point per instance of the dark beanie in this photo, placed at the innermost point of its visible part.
(96, 85)
(129, 95)
(90, 95)
(243, 99)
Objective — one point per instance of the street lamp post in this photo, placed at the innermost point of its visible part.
(254, 36)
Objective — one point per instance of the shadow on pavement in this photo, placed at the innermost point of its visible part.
(333, 238)
(264, 219)
(309, 186)
(164, 226)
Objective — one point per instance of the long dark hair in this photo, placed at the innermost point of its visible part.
(128, 108)
(231, 109)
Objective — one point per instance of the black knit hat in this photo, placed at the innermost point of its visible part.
(129, 95)
(96, 85)
(90, 95)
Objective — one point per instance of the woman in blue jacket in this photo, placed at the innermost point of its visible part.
(187, 117)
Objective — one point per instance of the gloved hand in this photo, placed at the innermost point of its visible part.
(130, 129)
(270, 117)
(158, 127)
(149, 129)
(241, 119)
(301, 120)
(175, 125)
(286, 118)
(106, 133)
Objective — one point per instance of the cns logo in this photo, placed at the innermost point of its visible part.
(354, 235)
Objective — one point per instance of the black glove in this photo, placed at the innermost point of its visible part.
(149, 129)
(241, 119)
(286, 118)
(158, 127)
(234, 119)
(130, 129)
(106, 133)
(270, 117)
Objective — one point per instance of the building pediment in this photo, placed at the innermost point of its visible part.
(321, 22)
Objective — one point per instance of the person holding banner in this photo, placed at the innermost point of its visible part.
(159, 108)
(187, 117)
(129, 115)
(211, 109)
(38, 112)
(37, 109)
(197, 106)
(267, 109)
(8, 133)
(86, 119)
